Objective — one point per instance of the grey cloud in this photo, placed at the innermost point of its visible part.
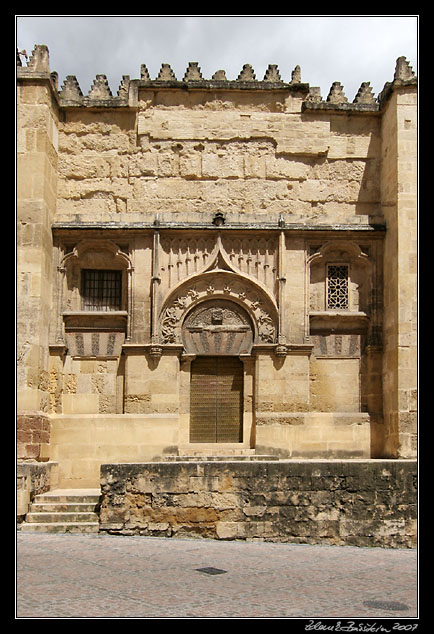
(348, 49)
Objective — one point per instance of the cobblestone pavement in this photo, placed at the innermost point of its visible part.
(105, 576)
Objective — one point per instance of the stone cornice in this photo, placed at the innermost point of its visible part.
(188, 226)
(357, 108)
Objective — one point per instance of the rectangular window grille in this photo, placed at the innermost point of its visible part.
(101, 290)
(337, 282)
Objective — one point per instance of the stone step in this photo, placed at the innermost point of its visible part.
(60, 527)
(64, 511)
(60, 518)
(64, 507)
(69, 496)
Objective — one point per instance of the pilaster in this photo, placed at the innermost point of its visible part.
(399, 203)
(37, 155)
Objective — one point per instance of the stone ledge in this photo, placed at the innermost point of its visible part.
(353, 108)
(79, 224)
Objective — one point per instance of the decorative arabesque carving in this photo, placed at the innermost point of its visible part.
(266, 329)
(168, 325)
(220, 285)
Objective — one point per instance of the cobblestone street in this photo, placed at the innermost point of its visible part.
(104, 576)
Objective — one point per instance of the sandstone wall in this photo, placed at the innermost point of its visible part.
(81, 443)
(345, 503)
(188, 154)
(134, 182)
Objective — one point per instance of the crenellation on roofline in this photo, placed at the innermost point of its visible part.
(100, 94)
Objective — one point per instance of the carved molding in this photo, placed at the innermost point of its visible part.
(110, 250)
(93, 254)
(339, 249)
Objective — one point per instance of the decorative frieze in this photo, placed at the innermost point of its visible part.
(95, 334)
(217, 327)
(337, 345)
(94, 344)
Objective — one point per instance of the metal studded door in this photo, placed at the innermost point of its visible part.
(216, 400)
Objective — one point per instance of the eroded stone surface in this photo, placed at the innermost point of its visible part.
(346, 503)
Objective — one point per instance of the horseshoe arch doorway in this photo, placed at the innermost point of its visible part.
(217, 332)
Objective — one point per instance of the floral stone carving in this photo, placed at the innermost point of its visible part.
(259, 309)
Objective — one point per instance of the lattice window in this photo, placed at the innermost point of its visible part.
(337, 286)
(101, 290)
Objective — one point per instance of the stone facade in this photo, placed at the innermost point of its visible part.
(358, 503)
(237, 219)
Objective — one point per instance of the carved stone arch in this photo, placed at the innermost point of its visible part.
(255, 300)
(339, 249)
(105, 252)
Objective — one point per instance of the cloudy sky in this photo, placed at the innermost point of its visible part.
(349, 49)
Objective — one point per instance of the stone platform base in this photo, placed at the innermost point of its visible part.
(354, 502)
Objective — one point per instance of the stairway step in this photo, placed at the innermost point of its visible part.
(63, 511)
(60, 527)
(63, 507)
(69, 496)
(60, 517)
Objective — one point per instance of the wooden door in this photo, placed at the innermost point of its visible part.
(216, 400)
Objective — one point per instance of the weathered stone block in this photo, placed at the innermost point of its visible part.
(342, 502)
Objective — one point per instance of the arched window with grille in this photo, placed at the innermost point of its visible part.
(337, 287)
